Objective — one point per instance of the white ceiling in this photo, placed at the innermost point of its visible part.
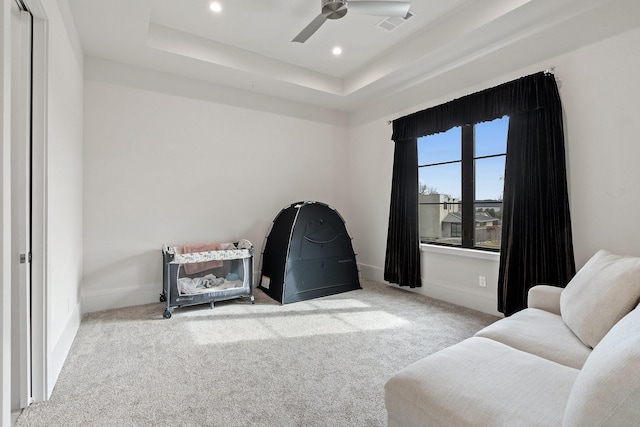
(248, 46)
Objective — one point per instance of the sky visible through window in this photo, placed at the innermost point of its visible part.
(491, 138)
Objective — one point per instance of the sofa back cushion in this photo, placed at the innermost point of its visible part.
(605, 289)
(607, 389)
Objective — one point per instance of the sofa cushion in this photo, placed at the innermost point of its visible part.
(541, 333)
(607, 390)
(605, 289)
(479, 382)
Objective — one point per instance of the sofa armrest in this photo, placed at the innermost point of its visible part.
(545, 297)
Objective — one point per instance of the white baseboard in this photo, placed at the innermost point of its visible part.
(107, 299)
(61, 349)
(370, 272)
(126, 297)
(463, 297)
(119, 297)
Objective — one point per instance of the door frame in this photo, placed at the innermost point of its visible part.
(5, 213)
(40, 389)
(21, 52)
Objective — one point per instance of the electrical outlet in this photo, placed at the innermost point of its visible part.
(482, 281)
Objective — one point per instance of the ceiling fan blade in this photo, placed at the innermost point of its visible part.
(310, 29)
(380, 8)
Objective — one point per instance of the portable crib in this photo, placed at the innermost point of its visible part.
(191, 278)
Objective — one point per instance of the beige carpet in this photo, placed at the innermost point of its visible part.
(321, 362)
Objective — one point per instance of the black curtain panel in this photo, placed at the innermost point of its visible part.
(537, 245)
(402, 261)
(515, 96)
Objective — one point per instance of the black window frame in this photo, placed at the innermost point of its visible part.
(468, 183)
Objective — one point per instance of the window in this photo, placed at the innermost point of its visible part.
(461, 179)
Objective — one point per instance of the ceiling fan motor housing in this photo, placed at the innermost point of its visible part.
(334, 9)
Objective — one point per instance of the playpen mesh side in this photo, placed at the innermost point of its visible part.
(230, 269)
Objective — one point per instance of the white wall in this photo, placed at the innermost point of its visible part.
(370, 194)
(63, 193)
(170, 161)
(149, 136)
(599, 89)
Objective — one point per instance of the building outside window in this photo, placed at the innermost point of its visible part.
(459, 171)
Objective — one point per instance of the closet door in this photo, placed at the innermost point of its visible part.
(21, 60)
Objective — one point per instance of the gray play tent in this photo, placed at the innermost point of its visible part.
(308, 254)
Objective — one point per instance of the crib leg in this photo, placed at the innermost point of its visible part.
(253, 299)
(211, 304)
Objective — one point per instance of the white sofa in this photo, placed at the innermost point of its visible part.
(572, 358)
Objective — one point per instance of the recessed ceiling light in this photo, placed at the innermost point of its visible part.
(337, 50)
(215, 7)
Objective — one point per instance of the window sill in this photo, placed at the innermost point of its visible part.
(460, 252)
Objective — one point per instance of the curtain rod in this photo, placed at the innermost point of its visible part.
(546, 72)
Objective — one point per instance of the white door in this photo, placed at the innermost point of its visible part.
(21, 46)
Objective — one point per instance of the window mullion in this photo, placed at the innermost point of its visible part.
(468, 186)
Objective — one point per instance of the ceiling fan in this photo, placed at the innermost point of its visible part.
(336, 9)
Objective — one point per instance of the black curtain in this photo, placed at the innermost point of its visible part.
(402, 262)
(537, 245)
(536, 239)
